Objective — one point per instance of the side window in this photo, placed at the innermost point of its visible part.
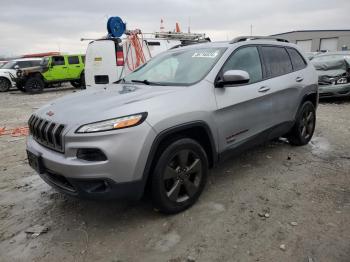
(73, 60)
(277, 61)
(297, 60)
(35, 62)
(57, 60)
(23, 64)
(246, 59)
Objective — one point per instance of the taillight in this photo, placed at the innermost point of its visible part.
(120, 58)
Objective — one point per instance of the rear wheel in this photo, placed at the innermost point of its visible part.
(79, 83)
(304, 127)
(179, 176)
(82, 81)
(5, 84)
(34, 85)
(75, 84)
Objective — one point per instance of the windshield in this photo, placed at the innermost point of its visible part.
(330, 57)
(9, 65)
(182, 67)
(44, 61)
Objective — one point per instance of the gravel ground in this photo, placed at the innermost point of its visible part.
(273, 203)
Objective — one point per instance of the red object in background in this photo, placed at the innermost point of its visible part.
(41, 54)
(177, 28)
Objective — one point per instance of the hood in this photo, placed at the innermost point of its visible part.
(7, 71)
(331, 68)
(103, 103)
(31, 69)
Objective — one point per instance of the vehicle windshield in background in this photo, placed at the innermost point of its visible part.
(9, 65)
(182, 67)
(44, 61)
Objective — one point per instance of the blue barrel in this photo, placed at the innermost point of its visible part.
(115, 26)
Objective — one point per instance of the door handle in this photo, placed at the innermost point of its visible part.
(264, 89)
(299, 79)
(64, 67)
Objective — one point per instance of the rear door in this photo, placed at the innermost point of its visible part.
(284, 86)
(243, 110)
(74, 67)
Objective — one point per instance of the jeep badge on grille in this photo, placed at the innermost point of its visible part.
(50, 113)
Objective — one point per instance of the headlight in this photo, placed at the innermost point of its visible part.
(112, 124)
(342, 80)
(19, 73)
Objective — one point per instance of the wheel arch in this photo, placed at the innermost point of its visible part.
(6, 78)
(312, 97)
(196, 130)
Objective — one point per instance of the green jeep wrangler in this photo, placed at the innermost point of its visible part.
(53, 70)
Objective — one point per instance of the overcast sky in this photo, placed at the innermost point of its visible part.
(43, 25)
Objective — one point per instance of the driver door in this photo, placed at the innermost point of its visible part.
(244, 110)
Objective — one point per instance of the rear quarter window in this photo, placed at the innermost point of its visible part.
(298, 61)
(276, 60)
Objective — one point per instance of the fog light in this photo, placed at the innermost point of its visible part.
(91, 154)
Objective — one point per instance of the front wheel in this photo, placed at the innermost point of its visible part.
(34, 85)
(5, 84)
(179, 176)
(304, 126)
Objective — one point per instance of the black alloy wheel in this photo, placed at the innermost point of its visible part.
(304, 127)
(179, 176)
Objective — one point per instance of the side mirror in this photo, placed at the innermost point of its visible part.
(16, 67)
(233, 77)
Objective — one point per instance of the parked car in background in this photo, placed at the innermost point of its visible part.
(333, 70)
(2, 63)
(10, 68)
(52, 70)
(311, 55)
(167, 122)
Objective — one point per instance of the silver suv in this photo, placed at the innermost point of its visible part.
(164, 125)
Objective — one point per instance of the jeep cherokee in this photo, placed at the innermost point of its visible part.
(165, 124)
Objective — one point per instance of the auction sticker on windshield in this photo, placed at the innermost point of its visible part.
(206, 54)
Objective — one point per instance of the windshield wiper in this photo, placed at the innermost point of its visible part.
(146, 82)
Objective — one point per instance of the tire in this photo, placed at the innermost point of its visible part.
(82, 81)
(5, 84)
(34, 85)
(179, 176)
(20, 88)
(304, 126)
(76, 84)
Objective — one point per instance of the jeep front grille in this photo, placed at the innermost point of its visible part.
(46, 133)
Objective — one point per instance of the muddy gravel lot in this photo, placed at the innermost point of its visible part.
(273, 203)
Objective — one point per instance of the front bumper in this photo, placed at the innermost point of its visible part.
(120, 176)
(326, 91)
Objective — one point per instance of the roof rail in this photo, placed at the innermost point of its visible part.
(249, 38)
